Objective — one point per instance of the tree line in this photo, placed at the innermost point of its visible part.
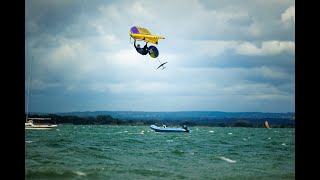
(109, 120)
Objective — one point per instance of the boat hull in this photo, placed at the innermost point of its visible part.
(39, 128)
(30, 125)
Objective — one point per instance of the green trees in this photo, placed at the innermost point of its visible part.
(109, 120)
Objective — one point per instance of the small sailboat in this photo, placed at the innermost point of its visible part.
(36, 123)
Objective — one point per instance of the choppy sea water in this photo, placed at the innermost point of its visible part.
(137, 152)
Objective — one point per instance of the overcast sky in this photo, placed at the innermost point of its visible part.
(228, 56)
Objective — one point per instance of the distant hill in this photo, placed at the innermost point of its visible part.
(192, 116)
(179, 115)
(207, 118)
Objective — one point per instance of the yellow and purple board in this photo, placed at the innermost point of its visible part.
(144, 34)
(153, 51)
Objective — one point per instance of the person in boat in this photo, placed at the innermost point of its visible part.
(185, 127)
(144, 50)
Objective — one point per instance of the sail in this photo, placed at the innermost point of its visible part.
(266, 124)
(144, 34)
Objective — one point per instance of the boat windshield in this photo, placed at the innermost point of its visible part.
(41, 121)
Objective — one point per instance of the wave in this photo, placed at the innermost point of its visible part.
(80, 173)
(227, 159)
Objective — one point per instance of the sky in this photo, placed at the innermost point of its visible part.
(232, 56)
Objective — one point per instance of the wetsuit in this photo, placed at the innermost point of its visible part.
(143, 50)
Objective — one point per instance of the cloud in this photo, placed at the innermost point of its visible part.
(221, 55)
(288, 16)
(267, 48)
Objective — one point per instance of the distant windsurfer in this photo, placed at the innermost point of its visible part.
(144, 50)
(266, 124)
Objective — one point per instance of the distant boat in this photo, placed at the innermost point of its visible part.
(39, 123)
(169, 129)
(36, 123)
(266, 124)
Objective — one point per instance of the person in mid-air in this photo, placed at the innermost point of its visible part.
(140, 50)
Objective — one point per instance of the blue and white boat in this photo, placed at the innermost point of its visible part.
(169, 129)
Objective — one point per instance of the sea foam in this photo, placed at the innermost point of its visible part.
(228, 160)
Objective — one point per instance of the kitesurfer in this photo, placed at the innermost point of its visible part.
(143, 51)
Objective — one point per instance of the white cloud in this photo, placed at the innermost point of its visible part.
(288, 16)
(267, 48)
(272, 73)
(85, 48)
(213, 48)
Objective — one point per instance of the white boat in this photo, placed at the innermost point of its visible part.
(36, 123)
(39, 123)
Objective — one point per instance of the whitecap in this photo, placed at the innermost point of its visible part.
(80, 173)
(230, 133)
(29, 141)
(283, 144)
(244, 139)
(228, 160)
(211, 131)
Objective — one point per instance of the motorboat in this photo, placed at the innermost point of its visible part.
(39, 123)
(169, 129)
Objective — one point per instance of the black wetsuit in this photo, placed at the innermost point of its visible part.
(143, 50)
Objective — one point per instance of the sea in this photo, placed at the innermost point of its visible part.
(137, 152)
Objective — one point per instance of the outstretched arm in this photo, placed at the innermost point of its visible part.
(135, 43)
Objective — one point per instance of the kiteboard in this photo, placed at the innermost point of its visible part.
(161, 65)
(153, 51)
